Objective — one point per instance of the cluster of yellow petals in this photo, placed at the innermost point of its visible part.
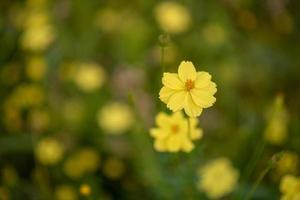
(218, 178)
(173, 133)
(290, 188)
(188, 89)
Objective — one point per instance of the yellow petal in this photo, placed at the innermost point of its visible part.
(187, 145)
(190, 108)
(165, 94)
(160, 145)
(211, 88)
(172, 81)
(187, 71)
(202, 98)
(162, 120)
(158, 133)
(196, 134)
(177, 100)
(202, 80)
(173, 143)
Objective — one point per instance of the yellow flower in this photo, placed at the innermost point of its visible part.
(113, 168)
(173, 134)
(277, 129)
(172, 17)
(36, 68)
(290, 188)
(49, 151)
(38, 33)
(65, 192)
(115, 118)
(85, 190)
(89, 77)
(84, 161)
(218, 178)
(189, 90)
(288, 163)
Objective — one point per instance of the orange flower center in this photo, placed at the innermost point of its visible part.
(174, 129)
(189, 84)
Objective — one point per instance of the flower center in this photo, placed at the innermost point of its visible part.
(174, 129)
(189, 84)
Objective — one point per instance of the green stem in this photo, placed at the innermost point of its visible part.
(258, 181)
(162, 58)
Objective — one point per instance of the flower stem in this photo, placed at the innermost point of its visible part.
(162, 58)
(271, 165)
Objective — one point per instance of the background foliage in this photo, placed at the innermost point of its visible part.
(64, 62)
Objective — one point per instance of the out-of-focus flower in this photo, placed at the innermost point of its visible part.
(108, 19)
(174, 134)
(214, 34)
(84, 161)
(217, 178)
(284, 23)
(27, 95)
(277, 129)
(247, 19)
(4, 193)
(115, 118)
(113, 168)
(36, 68)
(65, 192)
(9, 176)
(172, 17)
(287, 164)
(85, 190)
(290, 188)
(38, 120)
(73, 112)
(38, 33)
(189, 90)
(89, 77)
(49, 151)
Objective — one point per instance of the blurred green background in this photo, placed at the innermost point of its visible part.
(79, 93)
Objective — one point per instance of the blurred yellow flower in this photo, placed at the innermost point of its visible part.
(38, 33)
(84, 161)
(89, 77)
(217, 178)
(36, 68)
(65, 192)
(172, 17)
(189, 90)
(85, 190)
(115, 118)
(108, 19)
(277, 129)
(173, 134)
(27, 95)
(290, 188)
(287, 164)
(49, 151)
(214, 34)
(38, 120)
(113, 168)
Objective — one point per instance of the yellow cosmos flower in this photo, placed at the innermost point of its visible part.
(189, 90)
(173, 133)
(172, 17)
(115, 118)
(290, 188)
(287, 164)
(49, 151)
(218, 178)
(276, 132)
(65, 192)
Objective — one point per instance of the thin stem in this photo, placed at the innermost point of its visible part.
(162, 58)
(257, 182)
